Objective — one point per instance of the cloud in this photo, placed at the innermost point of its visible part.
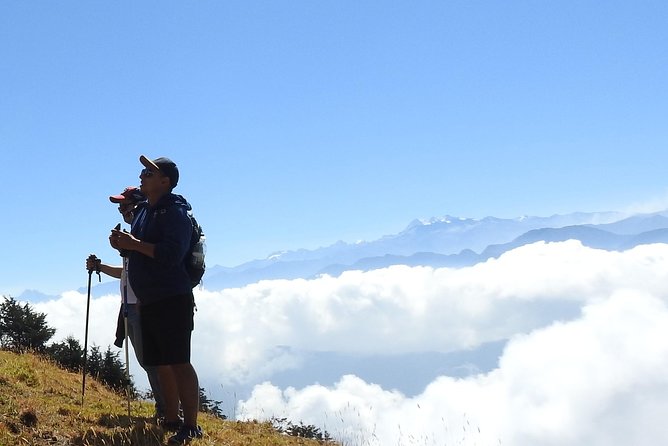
(402, 309)
(67, 315)
(597, 380)
(584, 362)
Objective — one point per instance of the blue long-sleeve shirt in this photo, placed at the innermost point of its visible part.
(169, 228)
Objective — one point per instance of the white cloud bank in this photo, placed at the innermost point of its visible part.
(587, 361)
(598, 380)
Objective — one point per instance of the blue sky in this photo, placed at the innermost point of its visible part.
(297, 124)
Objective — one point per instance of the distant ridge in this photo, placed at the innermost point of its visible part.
(446, 241)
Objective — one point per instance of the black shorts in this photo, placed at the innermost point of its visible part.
(166, 327)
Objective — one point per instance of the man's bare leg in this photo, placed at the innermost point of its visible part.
(188, 391)
(170, 392)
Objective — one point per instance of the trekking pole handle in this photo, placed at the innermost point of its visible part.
(93, 258)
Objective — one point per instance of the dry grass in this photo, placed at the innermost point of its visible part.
(40, 404)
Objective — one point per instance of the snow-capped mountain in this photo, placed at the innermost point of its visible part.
(439, 242)
(448, 241)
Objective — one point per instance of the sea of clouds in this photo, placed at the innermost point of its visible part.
(585, 362)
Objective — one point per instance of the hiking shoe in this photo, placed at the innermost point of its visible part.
(185, 435)
(170, 426)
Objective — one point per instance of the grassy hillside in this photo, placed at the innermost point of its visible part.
(40, 404)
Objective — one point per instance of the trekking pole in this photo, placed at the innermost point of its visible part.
(85, 352)
(125, 320)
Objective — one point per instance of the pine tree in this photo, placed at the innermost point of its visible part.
(112, 373)
(69, 354)
(21, 328)
(94, 362)
(209, 406)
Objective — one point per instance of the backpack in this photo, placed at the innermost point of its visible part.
(194, 259)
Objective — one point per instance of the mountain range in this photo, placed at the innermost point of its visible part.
(449, 241)
(438, 242)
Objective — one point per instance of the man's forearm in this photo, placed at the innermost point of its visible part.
(148, 249)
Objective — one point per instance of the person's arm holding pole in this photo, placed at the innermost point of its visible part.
(95, 264)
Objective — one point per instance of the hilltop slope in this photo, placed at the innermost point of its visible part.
(40, 404)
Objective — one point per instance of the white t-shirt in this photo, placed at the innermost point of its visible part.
(132, 299)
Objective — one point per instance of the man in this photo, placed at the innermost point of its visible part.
(127, 202)
(157, 245)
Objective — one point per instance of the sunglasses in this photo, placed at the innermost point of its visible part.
(146, 172)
